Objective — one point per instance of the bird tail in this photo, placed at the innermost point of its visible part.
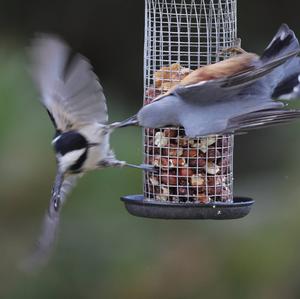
(283, 43)
(283, 47)
(278, 54)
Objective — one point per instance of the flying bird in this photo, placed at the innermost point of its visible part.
(74, 99)
(234, 95)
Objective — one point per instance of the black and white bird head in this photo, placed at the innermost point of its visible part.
(71, 150)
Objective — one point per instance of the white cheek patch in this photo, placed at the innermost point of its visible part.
(67, 160)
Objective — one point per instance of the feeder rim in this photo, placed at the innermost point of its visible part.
(241, 201)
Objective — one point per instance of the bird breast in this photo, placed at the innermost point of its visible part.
(160, 113)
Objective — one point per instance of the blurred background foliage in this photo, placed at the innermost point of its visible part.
(103, 252)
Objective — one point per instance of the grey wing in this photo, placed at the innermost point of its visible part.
(206, 91)
(203, 92)
(70, 90)
(262, 119)
(46, 241)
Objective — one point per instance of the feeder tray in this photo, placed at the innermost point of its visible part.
(138, 206)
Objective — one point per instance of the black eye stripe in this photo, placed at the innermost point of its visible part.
(70, 141)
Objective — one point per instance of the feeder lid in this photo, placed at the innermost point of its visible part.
(138, 206)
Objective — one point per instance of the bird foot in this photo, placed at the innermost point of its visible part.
(111, 163)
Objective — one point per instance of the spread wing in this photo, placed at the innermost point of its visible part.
(262, 119)
(69, 88)
(46, 241)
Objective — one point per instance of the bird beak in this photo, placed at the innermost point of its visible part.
(55, 199)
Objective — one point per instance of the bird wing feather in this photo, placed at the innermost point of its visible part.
(262, 119)
(46, 241)
(71, 91)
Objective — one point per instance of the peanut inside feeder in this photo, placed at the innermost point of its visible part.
(189, 170)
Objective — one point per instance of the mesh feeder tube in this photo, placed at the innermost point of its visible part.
(195, 176)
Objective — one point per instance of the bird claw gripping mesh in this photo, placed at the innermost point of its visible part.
(181, 36)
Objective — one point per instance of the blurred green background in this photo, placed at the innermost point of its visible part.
(102, 251)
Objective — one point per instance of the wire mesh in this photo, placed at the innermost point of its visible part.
(180, 36)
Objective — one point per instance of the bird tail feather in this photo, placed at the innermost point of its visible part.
(283, 43)
(278, 54)
(284, 47)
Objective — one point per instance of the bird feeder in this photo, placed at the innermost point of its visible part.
(194, 178)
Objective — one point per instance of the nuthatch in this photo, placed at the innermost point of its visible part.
(232, 95)
(74, 99)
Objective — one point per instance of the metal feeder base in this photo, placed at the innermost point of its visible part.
(138, 206)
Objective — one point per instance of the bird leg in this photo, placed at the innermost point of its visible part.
(116, 163)
(111, 163)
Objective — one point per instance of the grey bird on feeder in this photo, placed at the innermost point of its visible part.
(233, 95)
(74, 100)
